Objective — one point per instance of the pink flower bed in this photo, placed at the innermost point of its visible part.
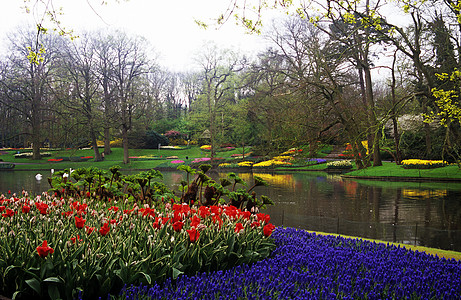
(177, 161)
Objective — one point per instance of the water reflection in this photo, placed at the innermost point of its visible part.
(426, 214)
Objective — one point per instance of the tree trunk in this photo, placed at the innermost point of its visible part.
(36, 142)
(372, 120)
(126, 158)
(35, 119)
(398, 154)
(427, 131)
(94, 142)
(107, 149)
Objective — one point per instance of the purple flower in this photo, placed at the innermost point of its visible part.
(309, 266)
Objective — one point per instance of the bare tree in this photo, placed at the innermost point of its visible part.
(80, 63)
(218, 68)
(130, 64)
(27, 82)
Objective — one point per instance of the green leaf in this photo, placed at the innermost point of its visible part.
(148, 279)
(176, 273)
(53, 292)
(53, 279)
(34, 284)
(9, 268)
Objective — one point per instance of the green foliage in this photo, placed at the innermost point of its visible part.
(205, 191)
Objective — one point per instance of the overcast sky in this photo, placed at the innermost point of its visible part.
(167, 24)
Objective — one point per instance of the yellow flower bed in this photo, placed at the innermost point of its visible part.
(282, 158)
(245, 164)
(205, 147)
(269, 163)
(223, 165)
(422, 164)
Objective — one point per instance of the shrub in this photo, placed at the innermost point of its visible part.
(117, 143)
(7, 166)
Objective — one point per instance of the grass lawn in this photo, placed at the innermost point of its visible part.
(115, 158)
(392, 170)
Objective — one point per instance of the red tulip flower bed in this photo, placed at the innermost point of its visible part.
(55, 247)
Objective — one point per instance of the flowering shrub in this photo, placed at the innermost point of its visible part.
(271, 163)
(245, 164)
(206, 147)
(316, 161)
(292, 151)
(178, 161)
(55, 159)
(422, 164)
(309, 266)
(30, 154)
(202, 159)
(57, 247)
(117, 143)
(339, 164)
(172, 147)
(283, 158)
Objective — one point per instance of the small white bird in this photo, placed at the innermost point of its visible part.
(38, 176)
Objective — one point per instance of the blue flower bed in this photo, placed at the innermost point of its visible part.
(309, 266)
(316, 161)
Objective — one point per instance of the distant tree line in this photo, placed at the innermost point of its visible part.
(316, 83)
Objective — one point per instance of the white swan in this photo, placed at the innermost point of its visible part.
(38, 176)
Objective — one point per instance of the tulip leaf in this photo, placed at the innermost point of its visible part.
(53, 292)
(34, 284)
(176, 273)
(53, 279)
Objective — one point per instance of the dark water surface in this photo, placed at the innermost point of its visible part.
(427, 214)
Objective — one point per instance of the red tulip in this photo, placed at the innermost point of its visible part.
(238, 227)
(79, 222)
(177, 226)
(104, 229)
(193, 234)
(246, 215)
(25, 209)
(44, 250)
(195, 221)
(9, 213)
(255, 224)
(42, 207)
(267, 229)
(89, 229)
(263, 218)
(74, 239)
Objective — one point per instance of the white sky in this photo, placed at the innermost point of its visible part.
(167, 24)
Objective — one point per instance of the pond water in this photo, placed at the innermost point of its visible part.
(427, 214)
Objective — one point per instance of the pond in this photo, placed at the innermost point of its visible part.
(427, 214)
